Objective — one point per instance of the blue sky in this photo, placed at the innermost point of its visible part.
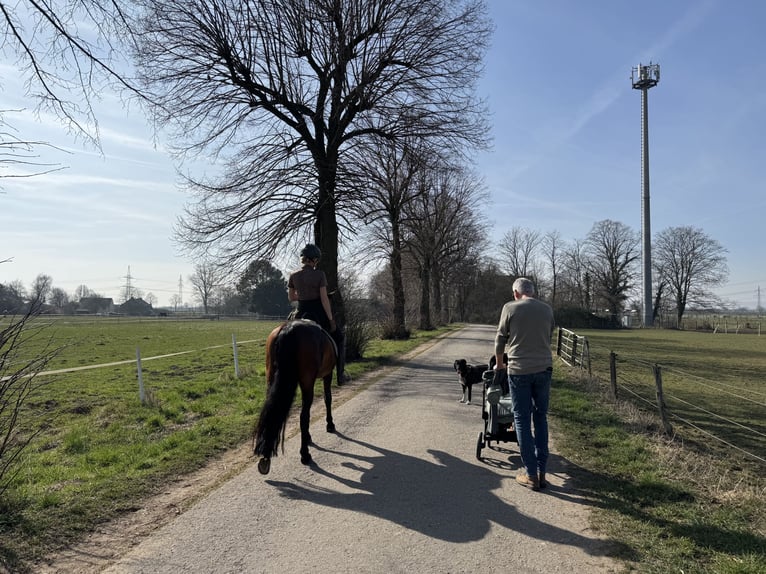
(566, 152)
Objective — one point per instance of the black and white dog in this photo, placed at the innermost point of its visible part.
(468, 375)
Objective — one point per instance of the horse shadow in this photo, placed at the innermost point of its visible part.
(425, 496)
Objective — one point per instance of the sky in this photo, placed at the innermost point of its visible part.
(566, 153)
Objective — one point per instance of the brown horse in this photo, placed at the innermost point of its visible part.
(297, 352)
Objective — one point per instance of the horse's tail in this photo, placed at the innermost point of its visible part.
(270, 429)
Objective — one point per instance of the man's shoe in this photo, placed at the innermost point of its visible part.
(541, 480)
(529, 481)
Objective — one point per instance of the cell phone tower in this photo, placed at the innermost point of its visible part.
(643, 78)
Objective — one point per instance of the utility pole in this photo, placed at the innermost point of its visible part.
(128, 287)
(644, 78)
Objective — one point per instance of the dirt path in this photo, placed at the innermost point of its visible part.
(398, 489)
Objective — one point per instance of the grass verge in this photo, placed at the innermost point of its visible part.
(670, 510)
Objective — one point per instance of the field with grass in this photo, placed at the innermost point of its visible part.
(101, 448)
(692, 502)
(713, 385)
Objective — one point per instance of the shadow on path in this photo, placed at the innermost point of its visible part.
(425, 497)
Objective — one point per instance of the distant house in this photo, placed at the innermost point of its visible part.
(136, 307)
(95, 306)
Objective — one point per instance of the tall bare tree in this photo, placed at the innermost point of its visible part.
(391, 173)
(41, 288)
(575, 282)
(518, 248)
(206, 279)
(552, 250)
(282, 90)
(692, 264)
(612, 250)
(437, 223)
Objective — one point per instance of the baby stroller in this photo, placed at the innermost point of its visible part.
(497, 412)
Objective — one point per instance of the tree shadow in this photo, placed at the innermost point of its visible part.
(425, 496)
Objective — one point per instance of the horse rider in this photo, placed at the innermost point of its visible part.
(308, 286)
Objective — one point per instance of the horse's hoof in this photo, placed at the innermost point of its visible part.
(306, 459)
(264, 465)
(330, 427)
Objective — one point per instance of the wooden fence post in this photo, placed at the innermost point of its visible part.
(141, 393)
(613, 373)
(558, 343)
(574, 351)
(236, 355)
(586, 354)
(661, 399)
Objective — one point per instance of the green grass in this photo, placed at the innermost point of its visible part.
(671, 506)
(714, 381)
(102, 449)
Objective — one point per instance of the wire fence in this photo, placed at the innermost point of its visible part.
(721, 416)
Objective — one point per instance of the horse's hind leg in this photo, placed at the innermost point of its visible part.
(328, 402)
(307, 397)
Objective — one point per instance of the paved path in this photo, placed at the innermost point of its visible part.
(398, 489)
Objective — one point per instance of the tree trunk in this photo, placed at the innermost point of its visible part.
(397, 282)
(425, 297)
(439, 302)
(326, 238)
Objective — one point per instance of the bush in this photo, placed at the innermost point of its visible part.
(17, 374)
(391, 331)
(576, 318)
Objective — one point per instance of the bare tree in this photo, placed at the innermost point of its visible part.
(552, 248)
(436, 224)
(612, 252)
(281, 91)
(575, 284)
(151, 298)
(206, 280)
(41, 288)
(391, 173)
(691, 263)
(58, 298)
(176, 300)
(518, 248)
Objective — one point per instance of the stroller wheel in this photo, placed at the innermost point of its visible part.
(479, 445)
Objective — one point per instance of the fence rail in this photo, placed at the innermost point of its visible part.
(641, 383)
(573, 349)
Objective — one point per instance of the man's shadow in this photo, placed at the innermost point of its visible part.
(427, 497)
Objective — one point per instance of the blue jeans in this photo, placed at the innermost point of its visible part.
(530, 394)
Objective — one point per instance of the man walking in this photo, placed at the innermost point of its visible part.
(524, 333)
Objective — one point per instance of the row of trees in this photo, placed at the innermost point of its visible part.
(597, 274)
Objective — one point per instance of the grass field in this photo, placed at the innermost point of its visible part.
(101, 449)
(714, 385)
(688, 503)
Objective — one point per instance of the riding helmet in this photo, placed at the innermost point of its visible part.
(311, 251)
